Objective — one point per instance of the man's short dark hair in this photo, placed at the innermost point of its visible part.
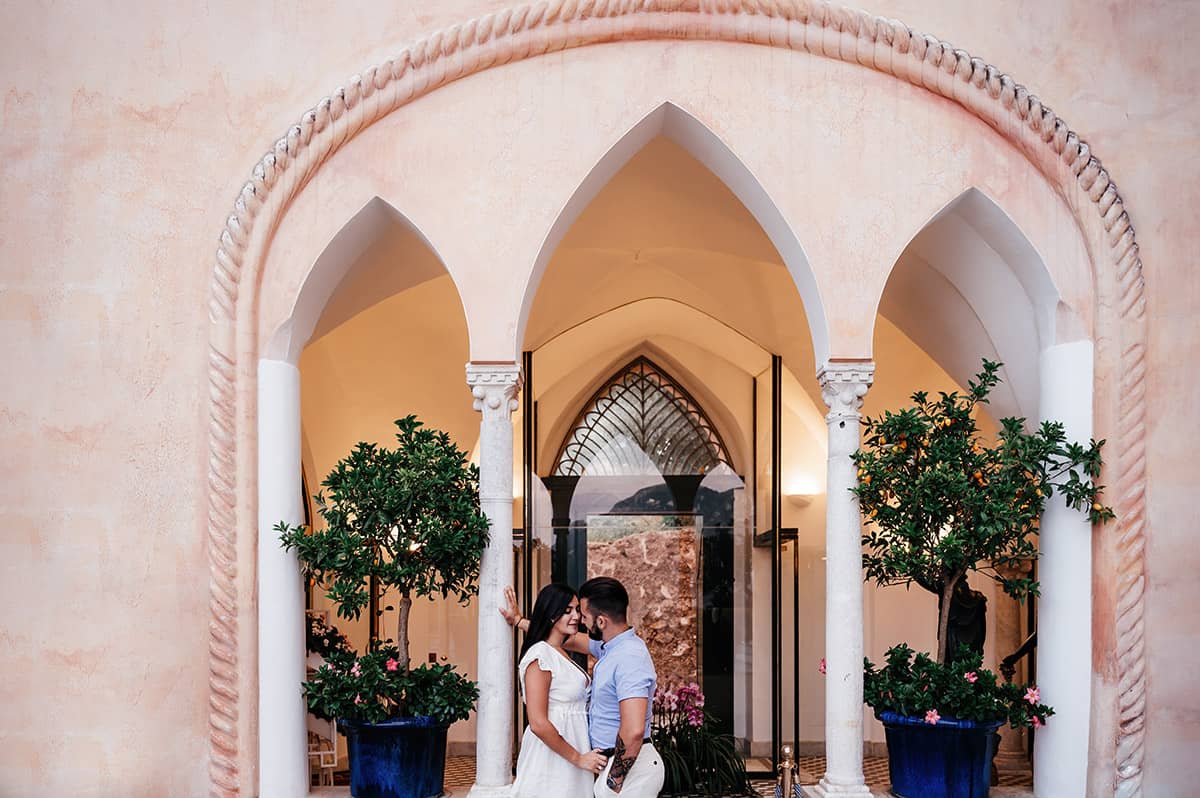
(606, 596)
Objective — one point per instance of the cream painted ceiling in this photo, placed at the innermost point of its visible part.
(665, 226)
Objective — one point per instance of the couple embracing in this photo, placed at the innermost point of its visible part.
(586, 736)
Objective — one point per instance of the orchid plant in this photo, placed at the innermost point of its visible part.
(697, 760)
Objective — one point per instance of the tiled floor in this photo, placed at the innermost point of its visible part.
(460, 774)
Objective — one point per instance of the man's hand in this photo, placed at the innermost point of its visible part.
(510, 610)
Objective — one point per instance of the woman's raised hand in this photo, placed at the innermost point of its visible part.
(593, 761)
(510, 610)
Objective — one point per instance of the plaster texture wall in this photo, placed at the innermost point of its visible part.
(126, 135)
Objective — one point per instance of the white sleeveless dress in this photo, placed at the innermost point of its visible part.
(541, 773)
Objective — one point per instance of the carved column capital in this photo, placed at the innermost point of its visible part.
(495, 387)
(843, 386)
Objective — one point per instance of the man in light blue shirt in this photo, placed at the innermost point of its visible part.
(623, 685)
(623, 670)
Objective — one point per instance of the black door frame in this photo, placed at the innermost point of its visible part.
(561, 524)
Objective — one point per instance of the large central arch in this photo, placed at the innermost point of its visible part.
(814, 27)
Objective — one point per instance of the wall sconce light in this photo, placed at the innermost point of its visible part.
(799, 499)
(801, 489)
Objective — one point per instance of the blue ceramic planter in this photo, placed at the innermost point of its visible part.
(398, 758)
(950, 760)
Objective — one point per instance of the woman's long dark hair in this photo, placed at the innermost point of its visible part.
(551, 602)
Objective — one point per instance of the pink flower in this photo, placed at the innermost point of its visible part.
(392, 665)
(354, 671)
(358, 699)
(821, 666)
(1037, 722)
(1033, 695)
(971, 676)
(932, 717)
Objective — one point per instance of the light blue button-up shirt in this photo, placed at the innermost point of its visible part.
(623, 670)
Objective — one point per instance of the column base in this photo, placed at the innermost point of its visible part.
(824, 789)
(485, 791)
(1012, 762)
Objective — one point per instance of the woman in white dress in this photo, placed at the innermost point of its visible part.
(556, 759)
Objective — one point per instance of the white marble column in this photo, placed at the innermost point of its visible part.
(843, 386)
(282, 731)
(1064, 652)
(495, 388)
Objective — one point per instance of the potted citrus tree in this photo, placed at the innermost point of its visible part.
(939, 502)
(408, 519)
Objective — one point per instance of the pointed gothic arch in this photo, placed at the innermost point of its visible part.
(641, 413)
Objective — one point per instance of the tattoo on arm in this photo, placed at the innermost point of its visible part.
(620, 766)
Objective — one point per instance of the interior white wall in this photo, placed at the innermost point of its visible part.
(378, 252)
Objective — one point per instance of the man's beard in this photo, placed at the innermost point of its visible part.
(595, 633)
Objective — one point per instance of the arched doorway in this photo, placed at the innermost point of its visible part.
(973, 284)
(670, 265)
(330, 380)
(644, 489)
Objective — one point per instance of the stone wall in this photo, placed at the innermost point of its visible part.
(660, 569)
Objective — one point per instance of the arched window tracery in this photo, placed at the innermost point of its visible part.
(641, 414)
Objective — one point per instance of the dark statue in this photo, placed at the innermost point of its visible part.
(967, 624)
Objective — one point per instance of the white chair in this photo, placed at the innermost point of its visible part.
(322, 736)
(322, 748)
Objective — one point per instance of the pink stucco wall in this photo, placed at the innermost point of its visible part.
(126, 135)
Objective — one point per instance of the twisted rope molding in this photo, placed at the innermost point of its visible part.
(810, 26)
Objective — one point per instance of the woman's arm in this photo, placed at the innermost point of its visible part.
(577, 644)
(537, 706)
(511, 611)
